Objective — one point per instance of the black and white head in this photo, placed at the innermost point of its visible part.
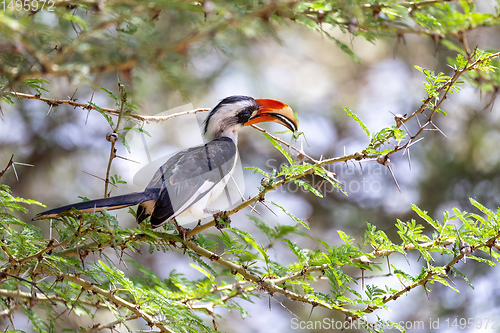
(234, 112)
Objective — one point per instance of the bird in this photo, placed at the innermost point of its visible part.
(193, 178)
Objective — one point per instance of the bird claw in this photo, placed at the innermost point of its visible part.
(221, 216)
(183, 232)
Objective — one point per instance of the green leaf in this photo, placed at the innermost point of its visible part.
(347, 239)
(356, 118)
(278, 146)
(75, 19)
(110, 94)
(456, 271)
(295, 218)
(481, 207)
(275, 233)
(203, 271)
(328, 176)
(483, 260)
(250, 240)
(258, 170)
(308, 187)
(124, 142)
(106, 116)
(116, 179)
(135, 129)
(426, 217)
(300, 253)
(196, 258)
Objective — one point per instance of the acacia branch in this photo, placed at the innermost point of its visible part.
(431, 273)
(273, 185)
(15, 266)
(114, 112)
(111, 325)
(51, 245)
(275, 138)
(17, 294)
(111, 296)
(86, 249)
(265, 284)
(443, 89)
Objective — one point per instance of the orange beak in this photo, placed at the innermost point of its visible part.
(272, 110)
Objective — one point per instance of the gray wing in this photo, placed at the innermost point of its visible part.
(187, 177)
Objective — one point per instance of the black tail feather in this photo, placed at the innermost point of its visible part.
(110, 203)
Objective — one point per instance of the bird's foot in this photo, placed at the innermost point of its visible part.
(222, 220)
(183, 232)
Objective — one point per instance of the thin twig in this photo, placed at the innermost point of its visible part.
(112, 297)
(264, 283)
(115, 112)
(33, 284)
(11, 161)
(112, 153)
(111, 325)
(300, 152)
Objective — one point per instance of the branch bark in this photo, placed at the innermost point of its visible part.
(110, 295)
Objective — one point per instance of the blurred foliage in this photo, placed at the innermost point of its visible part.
(43, 276)
(81, 39)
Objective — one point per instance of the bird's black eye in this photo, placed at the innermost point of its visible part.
(245, 114)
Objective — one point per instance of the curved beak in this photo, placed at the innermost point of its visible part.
(272, 110)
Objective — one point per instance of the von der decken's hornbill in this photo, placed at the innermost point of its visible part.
(193, 178)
